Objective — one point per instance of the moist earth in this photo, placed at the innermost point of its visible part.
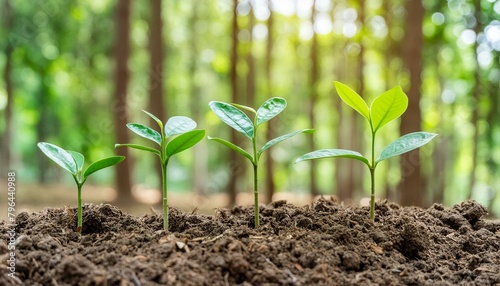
(325, 243)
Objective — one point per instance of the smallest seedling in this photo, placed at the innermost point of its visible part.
(72, 162)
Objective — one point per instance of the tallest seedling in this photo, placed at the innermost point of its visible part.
(384, 109)
(232, 115)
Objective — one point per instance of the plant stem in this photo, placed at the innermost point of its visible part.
(164, 162)
(372, 197)
(255, 180)
(256, 195)
(372, 175)
(165, 199)
(79, 211)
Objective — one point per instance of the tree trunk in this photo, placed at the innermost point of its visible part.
(313, 188)
(7, 136)
(156, 75)
(441, 149)
(411, 186)
(357, 133)
(339, 129)
(389, 51)
(270, 184)
(200, 176)
(233, 156)
(122, 74)
(250, 100)
(43, 123)
(493, 116)
(475, 104)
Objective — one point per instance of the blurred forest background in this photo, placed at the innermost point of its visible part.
(75, 72)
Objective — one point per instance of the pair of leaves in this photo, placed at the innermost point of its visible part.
(237, 119)
(400, 146)
(264, 148)
(73, 161)
(384, 108)
(176, 125)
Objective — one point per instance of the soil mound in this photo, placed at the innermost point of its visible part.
(325, 243)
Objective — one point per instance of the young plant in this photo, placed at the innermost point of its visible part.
(187, 137)
(232, 115)
(73, 162)
(385, 108)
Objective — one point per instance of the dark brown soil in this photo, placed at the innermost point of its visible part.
(322, 244)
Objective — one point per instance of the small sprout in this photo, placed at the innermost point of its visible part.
(232, 115)
(73, 162)
(187, 137)
(384, 109)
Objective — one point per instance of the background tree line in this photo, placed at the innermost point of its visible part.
(75, 72)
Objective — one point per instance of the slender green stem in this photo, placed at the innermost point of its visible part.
(80, 219)
(372, 196)
(255, 179)
(164, 162)
(256, 195)
(372, 175)
(165, 199)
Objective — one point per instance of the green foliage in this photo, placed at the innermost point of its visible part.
(73, 162)
(384, 109)
(405, 144)
(232, 115)
(50, 53)
(187, 136)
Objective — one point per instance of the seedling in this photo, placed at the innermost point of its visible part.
(385, 108)
(232, 115)
(187, 138)
(72, 162)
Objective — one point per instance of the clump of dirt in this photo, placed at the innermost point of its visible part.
(325, 243)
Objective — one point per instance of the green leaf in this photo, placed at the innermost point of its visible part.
(352, 99)
(282, 138)
(79, 159)
(101, 164)
(184, 141)
(333, 153)
(269, 109)
(60, 156)
(155, 119)
(387, 107)
(232, 146)
(233, 117)
(405, 144)
(145, 132)
(139, 147)
(178, 125)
